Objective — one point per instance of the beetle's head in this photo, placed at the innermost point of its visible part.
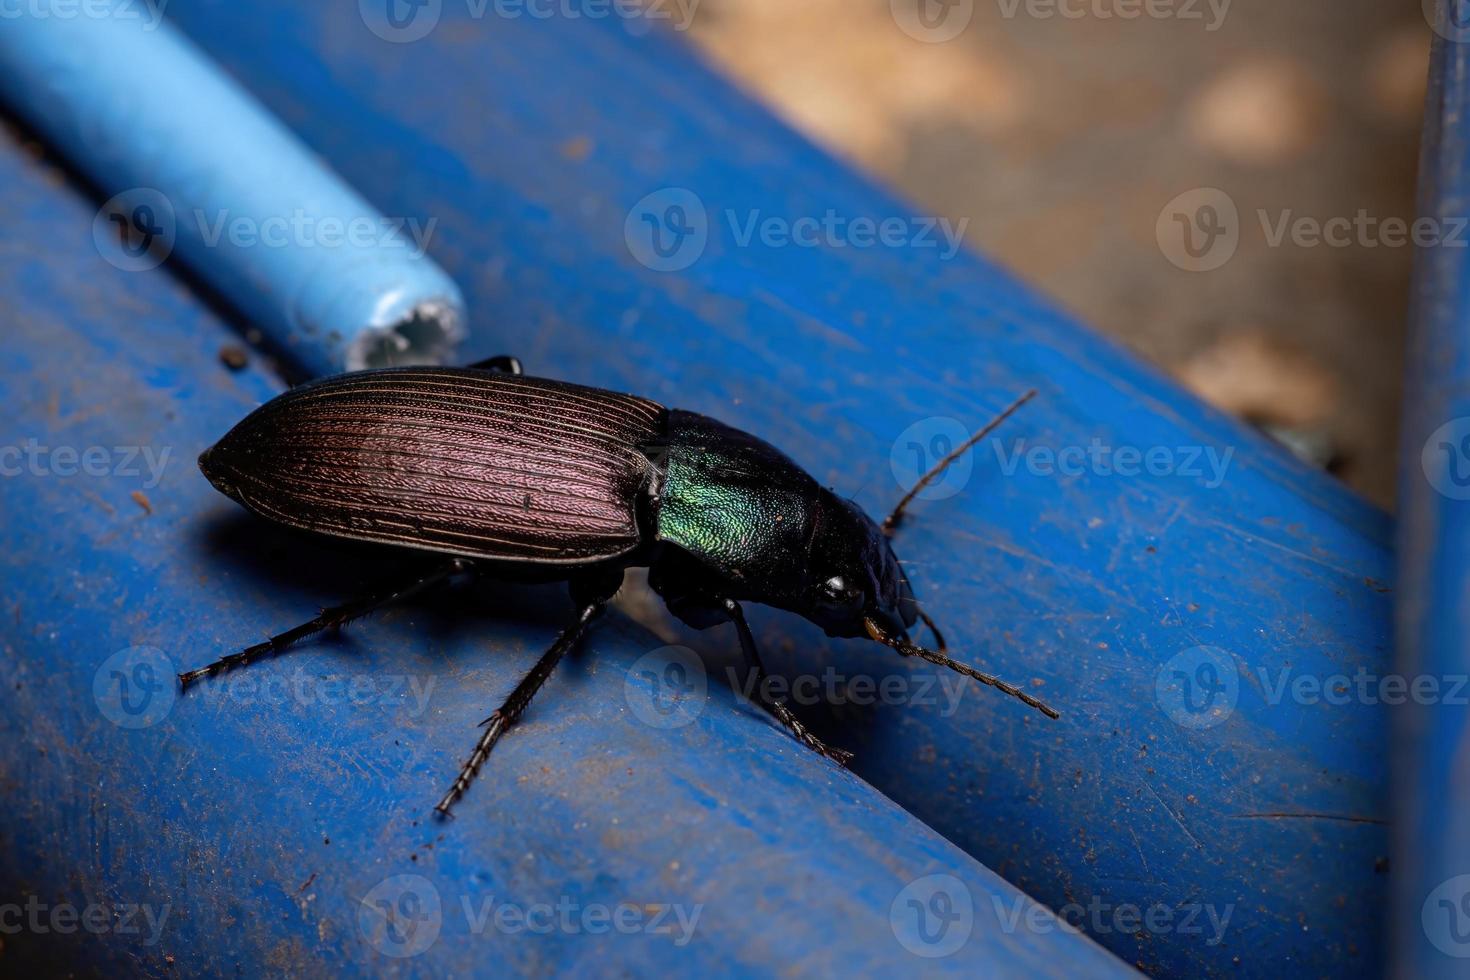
(853, 574)
(857, 587)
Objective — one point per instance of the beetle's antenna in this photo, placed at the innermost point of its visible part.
(890, 523)
(910, 650)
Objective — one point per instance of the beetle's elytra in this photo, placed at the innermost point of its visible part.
(524, 477)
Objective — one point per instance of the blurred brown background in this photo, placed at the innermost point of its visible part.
(1062, 131)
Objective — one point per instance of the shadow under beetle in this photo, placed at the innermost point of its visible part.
(542, 480)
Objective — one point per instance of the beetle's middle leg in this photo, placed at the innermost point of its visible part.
(783, 714)
(329, 619)
(591, 596)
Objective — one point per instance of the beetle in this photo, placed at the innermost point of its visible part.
(503, 474)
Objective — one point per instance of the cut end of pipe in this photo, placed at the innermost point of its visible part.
(429, 334)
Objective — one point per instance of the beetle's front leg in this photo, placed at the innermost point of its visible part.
(783, 714)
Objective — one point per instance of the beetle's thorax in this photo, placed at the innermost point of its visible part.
(759, 527)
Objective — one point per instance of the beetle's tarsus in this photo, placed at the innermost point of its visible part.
(782, 713)
(510, 712)
(333, 618)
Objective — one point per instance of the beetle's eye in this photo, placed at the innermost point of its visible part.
(837, 597)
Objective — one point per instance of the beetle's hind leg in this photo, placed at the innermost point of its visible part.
(591, 596)
(330, 619)
(783, 714)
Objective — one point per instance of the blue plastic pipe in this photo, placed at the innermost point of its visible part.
(1201, 807)
(1432, 840)
(193, 166)
(1197, 622)
(281, 822)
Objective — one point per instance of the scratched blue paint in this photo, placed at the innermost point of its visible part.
(1432, 843)
(1090, 585)
(1089, 588)
(263, 823)
(199, 171)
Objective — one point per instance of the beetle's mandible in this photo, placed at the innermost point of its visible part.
(521, 477)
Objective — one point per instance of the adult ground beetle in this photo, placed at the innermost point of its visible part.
(542, 480)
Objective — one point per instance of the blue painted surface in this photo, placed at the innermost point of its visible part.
(1432, 843)
(260, 824)
(537, 145)
(197, 169)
